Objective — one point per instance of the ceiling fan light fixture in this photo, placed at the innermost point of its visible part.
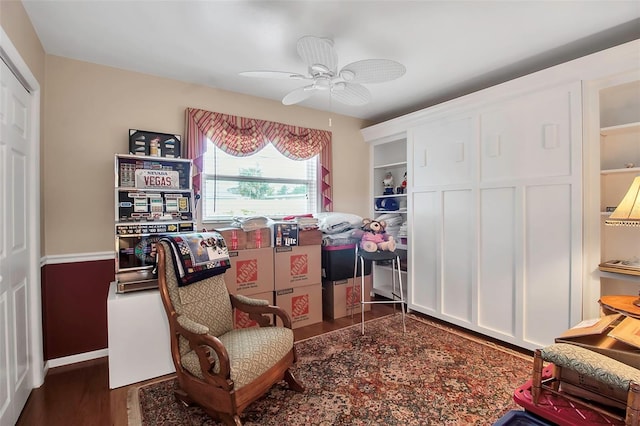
(345, 86)
(347, 75)
(319, 69)
(340, 85)
(322, 83)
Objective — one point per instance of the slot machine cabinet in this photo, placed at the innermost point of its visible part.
(153, 197)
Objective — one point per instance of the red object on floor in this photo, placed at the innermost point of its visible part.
(560, 410)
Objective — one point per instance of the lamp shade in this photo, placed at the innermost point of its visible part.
(628, 211)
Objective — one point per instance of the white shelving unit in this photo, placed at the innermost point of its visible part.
(389, 156)
(619, 165)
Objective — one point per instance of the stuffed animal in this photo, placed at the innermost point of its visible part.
(374, 237)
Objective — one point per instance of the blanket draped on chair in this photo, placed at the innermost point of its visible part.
(197, 256)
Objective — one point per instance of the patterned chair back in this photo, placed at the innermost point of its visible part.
(205, 302)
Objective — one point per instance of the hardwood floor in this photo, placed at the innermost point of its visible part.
(79, 394)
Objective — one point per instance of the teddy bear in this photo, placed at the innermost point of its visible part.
(373, 236)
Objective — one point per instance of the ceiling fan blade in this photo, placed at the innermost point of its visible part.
(274, 74)
(372, 71)
(350, 93)
(298, 95)
(318, 51)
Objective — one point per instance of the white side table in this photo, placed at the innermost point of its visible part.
(139, 347)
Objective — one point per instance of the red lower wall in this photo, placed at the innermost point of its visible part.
(74, 307)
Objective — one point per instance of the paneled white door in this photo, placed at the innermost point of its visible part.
(15, 351)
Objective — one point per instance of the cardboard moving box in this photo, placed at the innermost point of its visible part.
(606, 345)
(296, 266)
(258, 238)
(342, 298)
(309, 237)
(235, 238)
(303, 304)
(251, 271)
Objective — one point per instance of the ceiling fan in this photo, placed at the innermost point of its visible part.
(344, 86)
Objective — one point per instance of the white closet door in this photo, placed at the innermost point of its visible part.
(496, 211)
(497, 282)
(425, 252)
(548, 262)
(458, 251)
(15, 351)
(442, 152)
(527, 137)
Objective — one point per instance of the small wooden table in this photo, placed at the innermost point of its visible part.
(622, 304)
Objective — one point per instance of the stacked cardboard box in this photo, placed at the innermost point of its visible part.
(288, 275)
(258, 238)
(298, 284)
(235, 238)
(341, 298)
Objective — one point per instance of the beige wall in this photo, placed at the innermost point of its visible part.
(89, 109)
(15, 22)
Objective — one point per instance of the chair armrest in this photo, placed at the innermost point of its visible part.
(202, 343)
(192, 326)
(257, 309)
(249, 301)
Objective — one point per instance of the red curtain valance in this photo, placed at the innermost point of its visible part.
(241, 136)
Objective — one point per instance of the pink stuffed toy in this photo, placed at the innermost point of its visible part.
(375, 238)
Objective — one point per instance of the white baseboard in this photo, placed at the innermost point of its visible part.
(72, 359)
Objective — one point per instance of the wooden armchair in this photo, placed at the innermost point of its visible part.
(220, 368)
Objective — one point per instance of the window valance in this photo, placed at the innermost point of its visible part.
(242, 136)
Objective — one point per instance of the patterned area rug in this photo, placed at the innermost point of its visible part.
(432, 375)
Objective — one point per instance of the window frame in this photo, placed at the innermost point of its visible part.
(314, 182)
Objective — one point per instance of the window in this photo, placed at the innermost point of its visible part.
(265, 183)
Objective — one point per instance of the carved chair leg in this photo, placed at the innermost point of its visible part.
(183, 398)
(536, 385)
(293, 383)
(633, 405)
(230, 420)
(557, 372)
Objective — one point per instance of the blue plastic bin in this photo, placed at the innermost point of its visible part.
(521, 418)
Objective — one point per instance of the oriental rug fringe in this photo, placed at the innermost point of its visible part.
(432, 375)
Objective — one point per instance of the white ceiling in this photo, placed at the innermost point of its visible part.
(448, 47)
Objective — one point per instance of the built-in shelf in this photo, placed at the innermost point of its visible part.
(400, 211)
(384, 166)
(619, 148)
(390, 196)
(620, 129)
(616, 276)
(624, 170)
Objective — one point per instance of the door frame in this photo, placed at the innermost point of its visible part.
(10, 55)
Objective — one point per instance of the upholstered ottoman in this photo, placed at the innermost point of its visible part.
(608, 371)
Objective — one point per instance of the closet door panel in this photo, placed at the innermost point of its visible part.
(425, 254)
(458, 248)
(497, 267)
(442, 153)
(527, 137)
(547, 265)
